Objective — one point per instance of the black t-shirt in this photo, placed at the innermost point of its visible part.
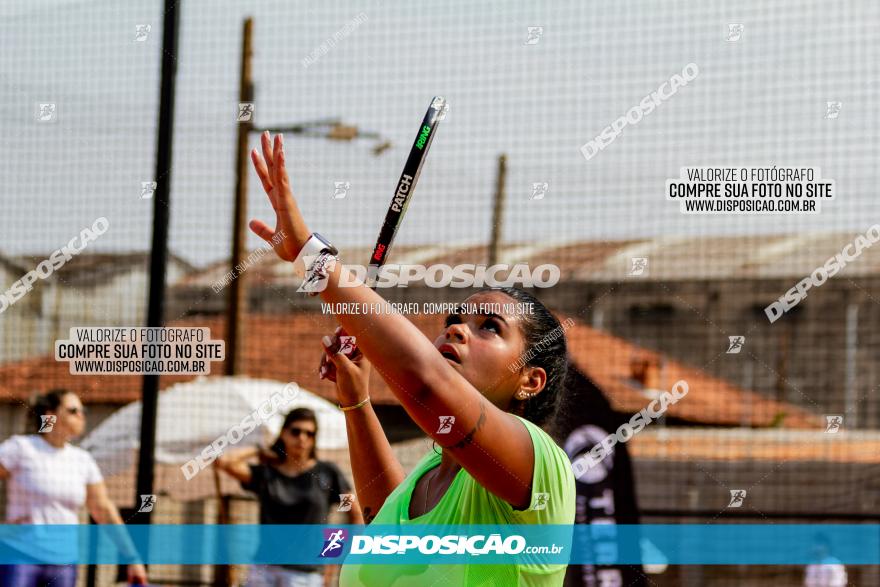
(303, 499)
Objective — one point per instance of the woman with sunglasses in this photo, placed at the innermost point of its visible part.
(48, 480)
(293, 487)
(481, 390)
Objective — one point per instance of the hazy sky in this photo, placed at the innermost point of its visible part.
(758, 101)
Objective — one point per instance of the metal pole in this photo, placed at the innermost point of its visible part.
(159, 249)
(498, 210)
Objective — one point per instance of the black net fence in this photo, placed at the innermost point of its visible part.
(688, 187)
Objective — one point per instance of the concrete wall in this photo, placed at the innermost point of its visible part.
(801, 358)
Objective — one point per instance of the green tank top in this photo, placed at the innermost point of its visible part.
(467, 502)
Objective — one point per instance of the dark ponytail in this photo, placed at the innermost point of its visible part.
(544, 347)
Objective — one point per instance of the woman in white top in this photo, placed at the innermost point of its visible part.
(48, 480)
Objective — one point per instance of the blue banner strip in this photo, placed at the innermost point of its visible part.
(675, 544)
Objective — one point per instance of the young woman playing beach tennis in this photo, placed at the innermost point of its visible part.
(469, 391)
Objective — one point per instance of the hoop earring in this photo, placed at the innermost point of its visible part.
(434, 446)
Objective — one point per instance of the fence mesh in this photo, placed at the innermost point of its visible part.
(571, 118)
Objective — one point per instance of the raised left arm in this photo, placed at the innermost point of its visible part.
(491, 444)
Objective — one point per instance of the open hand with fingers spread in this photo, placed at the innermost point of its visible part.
(291, 232)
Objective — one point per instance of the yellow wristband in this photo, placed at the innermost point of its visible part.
(356, 406)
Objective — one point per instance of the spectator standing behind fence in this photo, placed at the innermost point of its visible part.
(48, 480)
(293, 487)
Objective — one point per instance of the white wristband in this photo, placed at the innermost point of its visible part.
(313, 247)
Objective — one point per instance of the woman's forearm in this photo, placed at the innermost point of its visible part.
(236, 456)
(375, 469)
(398, 350)
(109, 515)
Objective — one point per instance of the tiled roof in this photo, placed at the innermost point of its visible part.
(606, 360)
(89, 268)
(273, 351)
(11, 265)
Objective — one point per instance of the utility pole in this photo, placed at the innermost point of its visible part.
(225, 574)
(498, 211)
(238, 295)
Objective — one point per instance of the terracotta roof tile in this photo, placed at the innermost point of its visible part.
(606, 360)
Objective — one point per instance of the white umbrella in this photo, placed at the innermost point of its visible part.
(194, 414)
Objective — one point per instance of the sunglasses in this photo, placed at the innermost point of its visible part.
(294, 431)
